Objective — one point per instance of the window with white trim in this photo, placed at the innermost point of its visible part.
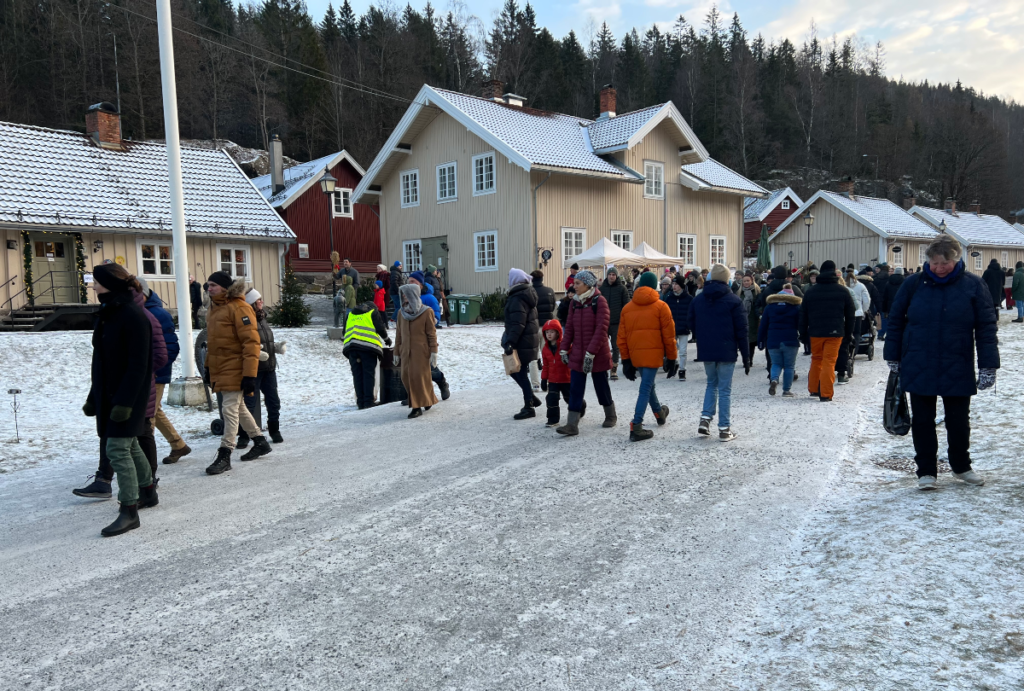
(686, 249)
(573, 240)
(234, 260)
(922, 254)
(623, 239)
(446, 188)
(412, 259)
(483, 174)
(717, 249)
(977, 262)
(410, 188)
(785, 204)
(897, 257)
(343, 203)
(156, 258)
(485, 250)
(1005, 259)
(654, 180)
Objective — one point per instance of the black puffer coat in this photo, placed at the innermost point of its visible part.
(546, 302)
(995, 279)
(827, 311)
(617, 297)
(680, 307)
(266, 343)
(892, 286)
(775, 286)
(122, 364)
(522, 330)
(396, 280)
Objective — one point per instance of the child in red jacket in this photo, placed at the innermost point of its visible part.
(378, 298)
(554, 374)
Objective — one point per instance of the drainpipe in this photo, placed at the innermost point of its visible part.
(664, 220)
(536, 246)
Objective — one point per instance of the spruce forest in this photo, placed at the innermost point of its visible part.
(760, 105)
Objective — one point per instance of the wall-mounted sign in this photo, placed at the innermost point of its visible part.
(12, 244)
(975, 254)
(119, 260)
(303, 251)
(546, 255)
(897, 250)
(49, 256)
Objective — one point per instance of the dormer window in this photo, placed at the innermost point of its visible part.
(785, 204)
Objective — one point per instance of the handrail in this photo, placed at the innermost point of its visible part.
(32, 300)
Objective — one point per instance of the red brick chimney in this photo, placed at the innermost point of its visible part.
(950, 205)
(975, 208)
(607, 101)
(845, 187)
(909, 202)
(103, 124)
(493, 89)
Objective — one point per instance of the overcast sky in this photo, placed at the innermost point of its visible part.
(980, 42)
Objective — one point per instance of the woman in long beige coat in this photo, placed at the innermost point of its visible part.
(416, 349)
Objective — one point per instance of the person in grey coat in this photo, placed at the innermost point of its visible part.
(614, 291)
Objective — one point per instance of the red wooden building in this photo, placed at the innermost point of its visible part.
(773, 211)
(297, 197)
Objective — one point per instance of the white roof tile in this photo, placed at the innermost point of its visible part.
(615, 132)
(50, 177)
(294, 178)
(891, 218)
(975, 229)
(714, 174)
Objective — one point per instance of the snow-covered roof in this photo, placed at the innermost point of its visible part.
(60, 178)
(757, 209)
(970, 228)
(712, 175)
(1018, 227)
(880, 215)
(300, 178)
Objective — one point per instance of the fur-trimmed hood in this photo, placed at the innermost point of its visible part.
(865, 277)
(783, 297)
(237, 290)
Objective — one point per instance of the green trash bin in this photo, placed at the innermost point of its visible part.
(468, 308)
(453, 308)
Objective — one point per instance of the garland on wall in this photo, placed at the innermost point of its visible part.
(83, 294)
(26, 250)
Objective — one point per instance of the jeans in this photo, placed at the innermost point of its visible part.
(784, 362)
(1020, 309)
(235, 413)
(926, 441)
(131, 466)
(364, 376)
(578, 387)
(266, 383)
(647, 394)
(719, 389)
(682, 341)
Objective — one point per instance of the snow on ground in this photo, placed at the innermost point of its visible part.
(314, 380)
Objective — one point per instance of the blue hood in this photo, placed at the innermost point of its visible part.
(715, 290)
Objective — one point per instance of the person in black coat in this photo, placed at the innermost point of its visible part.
(522, 335)
(195, 298)
(122, 373)
(892, 286)
(995, 280)
(938, 320)
(678, 299)
(396, 282)
(546, 302)
(827, 317)
(563, 306)
(614, 291)
(779, 275)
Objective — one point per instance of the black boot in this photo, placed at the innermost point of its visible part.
(148, 497)
(127, 519)
(553, 415)
(243, 440)
(416, 412)
(275, 432)
(97, 489)
(638, 433)
(446, 393)
(534, 402)
(526, 412)
(222, 463)
(260, 447)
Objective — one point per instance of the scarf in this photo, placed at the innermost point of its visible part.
(583, 297)
(412, 305)
(949, 277)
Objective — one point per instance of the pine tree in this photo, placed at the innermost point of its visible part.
(292, 310)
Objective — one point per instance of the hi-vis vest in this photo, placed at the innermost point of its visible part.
(359, 327)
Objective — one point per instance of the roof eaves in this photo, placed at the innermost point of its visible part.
(297, 191)
(627, 175)
(822, 194)
(670, 111)
(788, 192)
(387, 151)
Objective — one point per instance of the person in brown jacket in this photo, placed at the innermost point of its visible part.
(233, 358)
(416, 349)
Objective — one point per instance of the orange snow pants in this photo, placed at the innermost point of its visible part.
(822, 377)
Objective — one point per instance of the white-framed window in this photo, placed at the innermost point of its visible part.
(922, 254)
(412, 259)
(1005, 259)
(623, 239)
(654, 180)
(485, 250)
(343, 203)
(447, 190)
(897, 257)
(573, 241)
(410, 188)
(717, 249)
(686, 249)
(785, 204)
(483, 174)
(234, 260)
(977, 262)
(156, 258)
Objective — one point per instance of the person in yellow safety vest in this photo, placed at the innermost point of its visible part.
(366, 334)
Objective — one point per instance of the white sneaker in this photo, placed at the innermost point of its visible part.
(970, 477)
(926, 482)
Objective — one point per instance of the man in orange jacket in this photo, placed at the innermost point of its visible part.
(647, 337)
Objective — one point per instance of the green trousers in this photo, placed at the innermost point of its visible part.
(131, 466)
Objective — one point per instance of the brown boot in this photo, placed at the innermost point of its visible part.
(176, 454)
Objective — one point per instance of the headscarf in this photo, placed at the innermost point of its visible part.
(517, 276)
(412, 305)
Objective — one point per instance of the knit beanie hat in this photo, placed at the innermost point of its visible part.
(251, 296)
(517, 276)
(431, 268)
(649, 280)
(106, 278)
(397, 264)
(828, 266)
(587, 278)
(220, 278)
(378, 284)
(788, 290)
(779, 272)
(720, 272)
(418, 277)
(611, 271)
(575, 267)
(899, 270)
(666, 280)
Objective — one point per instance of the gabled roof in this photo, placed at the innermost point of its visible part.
(972, 229)
(880, 215)
(625, 131)
(757, 209)
(710, 175)
(301, 177)
(59, 178)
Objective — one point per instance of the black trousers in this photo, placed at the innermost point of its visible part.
(556, 392)
(266, 387)
(522, 377)
(364, 376)
(926, 440)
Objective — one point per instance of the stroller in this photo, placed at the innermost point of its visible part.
(866, 339)
(217, 426)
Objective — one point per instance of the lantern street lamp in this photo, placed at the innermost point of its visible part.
(942, 226)
(808, 221)
(328, 183)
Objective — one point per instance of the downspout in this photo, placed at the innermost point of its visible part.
(664, 220)
(536, 246)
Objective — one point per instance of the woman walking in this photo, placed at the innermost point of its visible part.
(266, 375)
(779, 335)
(416, 348)
(750, 294)
(678, 300)
(522, 335)
(937, 321)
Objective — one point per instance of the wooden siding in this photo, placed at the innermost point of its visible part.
(834, 236)
(12, 270)
(752, 229)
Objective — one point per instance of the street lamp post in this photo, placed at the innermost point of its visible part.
(808, 221)
(328, 183)
(876, 162)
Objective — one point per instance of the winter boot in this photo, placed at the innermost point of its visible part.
(97, 489)
(1018, 320)
(704, 427)
(610, 418)
(772, 387)
(222, 462)
(127, 519)
(148, 497)
(553, 415)
(243, 440)
(446, 393)
(260, 447)
(682, 375)
(615, 372)
(662, 415)
(843, 379)
(726, 434)
(416, 412)
(638, 433)
(572, 426)
(526, 412)
(177, 454)
(274, 428)
(534, 402)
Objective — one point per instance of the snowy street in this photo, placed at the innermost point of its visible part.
(466, 550)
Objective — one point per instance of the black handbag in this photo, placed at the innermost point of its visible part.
(896, 411)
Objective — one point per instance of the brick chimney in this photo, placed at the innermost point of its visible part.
(607, 102)
(909, 202)
(975, 208)
(950, 205)
(845, 186)
(276, 165)
(494, 89)
(103, 124)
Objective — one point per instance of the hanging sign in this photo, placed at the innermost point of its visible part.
(303, 251)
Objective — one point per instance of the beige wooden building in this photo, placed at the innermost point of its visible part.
(481, 185)
(70, 201)
(987, 236)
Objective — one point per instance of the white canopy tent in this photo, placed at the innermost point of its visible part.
(652, 257)
(603, 253)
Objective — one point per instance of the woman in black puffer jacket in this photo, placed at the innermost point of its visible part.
(522, 335)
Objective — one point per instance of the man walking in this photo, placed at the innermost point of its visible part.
(614, 291)
(827, 317)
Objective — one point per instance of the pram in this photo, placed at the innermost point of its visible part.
(217, 426)
(866, 339)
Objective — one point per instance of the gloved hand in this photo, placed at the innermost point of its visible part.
(206, 376)
(387, 342)
(249, 386)
(433, 359)
(89, 408)
(894, 366)
(508, 349)
(565, 356)
(543, 384)
(986, 378)
(588, 363)
(673, 368)
(746, 367)
(281, 348)
(396, 360)
(264, 356)
(121, 413)
(628, 371)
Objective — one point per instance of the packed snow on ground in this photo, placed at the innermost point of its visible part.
(314, 381)
(889, 587)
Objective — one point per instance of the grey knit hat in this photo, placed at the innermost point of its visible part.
(587, 278)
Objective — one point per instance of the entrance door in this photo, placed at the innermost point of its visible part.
(54, 276)
(433, 252)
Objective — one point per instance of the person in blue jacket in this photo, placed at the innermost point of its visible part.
(719, 323)
(678, 299)
(937, 320)
(163, 375)
(779, 334)
(427, 296)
